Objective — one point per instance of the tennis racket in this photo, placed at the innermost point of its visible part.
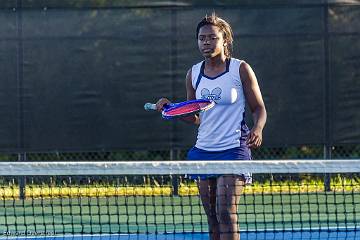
(182, 109)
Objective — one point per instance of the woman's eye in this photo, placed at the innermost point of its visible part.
(210, 38)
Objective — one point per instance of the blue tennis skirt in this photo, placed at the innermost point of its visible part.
(242, 153)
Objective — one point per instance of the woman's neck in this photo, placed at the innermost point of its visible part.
(215, 61)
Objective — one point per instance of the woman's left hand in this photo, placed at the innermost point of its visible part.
(254, 139)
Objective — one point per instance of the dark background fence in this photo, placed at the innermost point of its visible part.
(76, 74)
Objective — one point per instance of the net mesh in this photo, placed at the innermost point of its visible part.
(157, 197)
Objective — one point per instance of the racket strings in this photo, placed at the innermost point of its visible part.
(189, 108)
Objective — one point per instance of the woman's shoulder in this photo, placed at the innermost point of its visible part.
(240, 63)
(235, 65)
(198, 64)
(237, 61)
(196, 67)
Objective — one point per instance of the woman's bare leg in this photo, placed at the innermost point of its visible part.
(207, 189)
(228, 193)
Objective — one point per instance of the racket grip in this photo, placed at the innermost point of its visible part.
(149, 106)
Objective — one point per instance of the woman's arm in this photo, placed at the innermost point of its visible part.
(254, 99)
(190, 95)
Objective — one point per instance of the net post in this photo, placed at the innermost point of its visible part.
(174, 180)
(327, 176)
(22, 179)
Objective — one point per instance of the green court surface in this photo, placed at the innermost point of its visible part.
(146, 214)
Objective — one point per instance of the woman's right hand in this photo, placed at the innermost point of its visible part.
(161, 102)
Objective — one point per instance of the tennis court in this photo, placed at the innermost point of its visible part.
(289, 203)
(134, 214)
(75, 138)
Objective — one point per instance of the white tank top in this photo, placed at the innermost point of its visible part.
(220, 127)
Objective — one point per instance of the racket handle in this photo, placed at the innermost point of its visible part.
(149, 106)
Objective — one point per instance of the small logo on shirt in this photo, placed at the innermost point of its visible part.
(213, 96)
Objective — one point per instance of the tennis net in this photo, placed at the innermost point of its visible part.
(56, 198)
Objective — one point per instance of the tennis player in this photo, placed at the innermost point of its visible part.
(222, 133)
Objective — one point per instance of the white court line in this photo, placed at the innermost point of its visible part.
(315, 229)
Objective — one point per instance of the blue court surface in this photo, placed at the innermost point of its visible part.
(266, 235)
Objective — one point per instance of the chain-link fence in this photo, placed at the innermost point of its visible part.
(263, 153)
(64, 83)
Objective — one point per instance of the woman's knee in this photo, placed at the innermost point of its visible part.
(227, 216)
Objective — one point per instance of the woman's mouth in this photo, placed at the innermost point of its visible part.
(207, 50)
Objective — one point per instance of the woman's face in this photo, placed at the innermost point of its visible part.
(210, 41)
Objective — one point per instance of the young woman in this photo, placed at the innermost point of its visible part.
(222, 133)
